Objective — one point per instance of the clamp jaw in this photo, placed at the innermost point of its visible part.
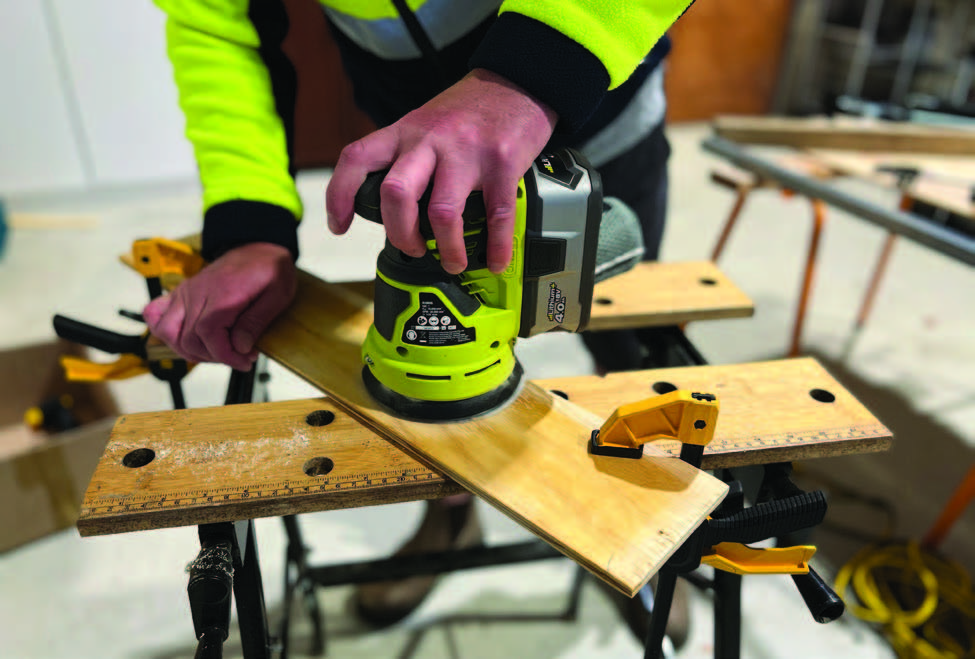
(138, 354)
(163, 263)
(679, 415)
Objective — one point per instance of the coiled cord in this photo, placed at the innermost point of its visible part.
(924, 602)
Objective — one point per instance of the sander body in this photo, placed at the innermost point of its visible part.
(441, 346)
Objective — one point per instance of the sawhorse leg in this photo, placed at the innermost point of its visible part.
(879, 270)
(819, 220)
(744, 188)
(249, 598)
(228, 561)
(726, 588)
(297, 582)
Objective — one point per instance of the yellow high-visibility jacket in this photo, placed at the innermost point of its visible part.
(237, 88)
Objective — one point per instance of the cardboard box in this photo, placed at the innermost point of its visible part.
(44, 475)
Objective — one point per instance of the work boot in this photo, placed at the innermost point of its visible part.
(446, 525)
(637, 616)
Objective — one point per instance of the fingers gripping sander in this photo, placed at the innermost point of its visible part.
(441, 346)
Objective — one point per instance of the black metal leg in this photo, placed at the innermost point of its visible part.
(249, 596)
(296, 580)
(575, 594)
(727, 615)
(317, 619)
(240, 389)
(176, 390)
(663, 597)
(284, 631)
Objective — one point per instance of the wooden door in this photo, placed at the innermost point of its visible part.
(326, 118)
(725, 58)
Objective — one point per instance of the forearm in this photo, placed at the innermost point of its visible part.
(234, 122)
(569, 54)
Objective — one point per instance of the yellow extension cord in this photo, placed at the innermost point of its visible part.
(886, 577)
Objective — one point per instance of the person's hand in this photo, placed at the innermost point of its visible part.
(218, 315)
(480, 134)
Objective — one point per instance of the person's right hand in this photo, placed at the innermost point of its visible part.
(480, 134)
(218, 315)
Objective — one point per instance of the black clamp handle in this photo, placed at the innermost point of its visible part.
(99, 338)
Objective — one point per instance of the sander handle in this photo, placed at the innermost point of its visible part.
(367, 198)
(368, 205)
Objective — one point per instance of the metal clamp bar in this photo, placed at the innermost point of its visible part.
(401, 567)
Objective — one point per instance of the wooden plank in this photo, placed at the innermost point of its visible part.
(784, 424)
(262, 460)
(843, 133)
(528, 459)
(667, 294)
(945, 181)
(768, 413)
(50, 221)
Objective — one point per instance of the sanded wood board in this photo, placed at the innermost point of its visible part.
(619, 519)
(845, 133)
(267, 460)
(667, 294)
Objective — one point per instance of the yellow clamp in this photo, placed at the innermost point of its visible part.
(684, 416)
(690, 418)
(83, 370)
(170, 261)
(741, 559)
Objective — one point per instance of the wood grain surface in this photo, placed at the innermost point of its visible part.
(845, 133)
(667, 294)
(221, 464)
(945, 181)
(776, 411)
(266, 459)
(619, 519)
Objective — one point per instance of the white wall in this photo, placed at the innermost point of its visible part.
(37, 145)
(93, 99)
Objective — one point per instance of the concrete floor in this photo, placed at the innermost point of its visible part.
(124, 596)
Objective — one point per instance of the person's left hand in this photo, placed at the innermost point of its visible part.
(480, 134)
(219, 314)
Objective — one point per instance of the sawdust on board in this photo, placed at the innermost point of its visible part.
(227, 457)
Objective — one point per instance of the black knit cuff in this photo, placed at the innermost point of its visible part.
(234, 223)
(547, 64)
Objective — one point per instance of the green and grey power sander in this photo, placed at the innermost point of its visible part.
(441, 346)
